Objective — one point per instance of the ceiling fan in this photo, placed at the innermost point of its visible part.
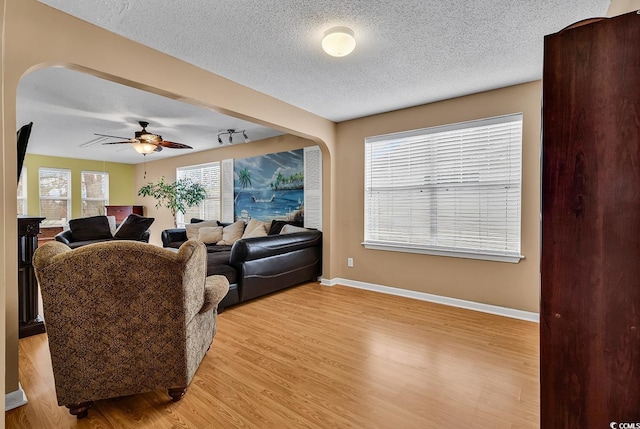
(145, 142)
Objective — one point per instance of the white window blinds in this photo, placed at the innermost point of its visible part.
(55, 195)
(22, 192)
(95, 192)
(208, 175)
(452, 190)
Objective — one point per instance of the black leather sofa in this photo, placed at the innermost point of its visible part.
(261, 265)
(96, 229)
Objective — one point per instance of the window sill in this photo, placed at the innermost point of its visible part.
(406, 248)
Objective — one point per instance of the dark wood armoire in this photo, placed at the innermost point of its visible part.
(590, 266)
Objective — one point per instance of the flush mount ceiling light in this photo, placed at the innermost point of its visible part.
(338, 41)
(231, 132)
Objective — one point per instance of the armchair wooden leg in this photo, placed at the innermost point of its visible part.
(80, 410)
(177, 393)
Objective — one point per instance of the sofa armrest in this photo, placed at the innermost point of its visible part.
(248, 249)
(64, 237)
(145, 236)
(169, 236)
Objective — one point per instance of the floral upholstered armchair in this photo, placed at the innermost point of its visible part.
(125, 317)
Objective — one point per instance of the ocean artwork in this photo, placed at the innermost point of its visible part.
(269, 187)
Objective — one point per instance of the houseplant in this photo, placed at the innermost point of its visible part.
(176, 196)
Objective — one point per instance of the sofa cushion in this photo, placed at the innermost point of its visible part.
(90, 228)
(218, 264)
(290, 229)
(76, 244)
(210, 234)
(193, 229)
(133, 227)
(232, 233)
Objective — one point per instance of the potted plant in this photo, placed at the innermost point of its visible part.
(176, 196)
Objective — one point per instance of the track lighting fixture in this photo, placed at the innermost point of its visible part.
(231, 132)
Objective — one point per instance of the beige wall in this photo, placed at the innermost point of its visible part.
(167, 168)
(496, 283)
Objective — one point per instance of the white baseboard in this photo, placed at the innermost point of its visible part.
(15, 399)
(454, 302)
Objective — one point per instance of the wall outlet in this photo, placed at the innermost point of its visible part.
(349, 262)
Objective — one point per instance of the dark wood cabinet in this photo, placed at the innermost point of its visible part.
(590, 266)
(30, 323)
(121, 212)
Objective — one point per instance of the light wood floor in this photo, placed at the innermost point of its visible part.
(328, 357)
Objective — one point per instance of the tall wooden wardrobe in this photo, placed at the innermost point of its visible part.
(590, 266)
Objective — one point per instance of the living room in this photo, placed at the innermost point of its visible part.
(508, 289)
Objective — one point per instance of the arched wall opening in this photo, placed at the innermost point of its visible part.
(37, 36)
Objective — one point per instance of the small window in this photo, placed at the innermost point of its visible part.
(208, 175)
(95, 193)
(55, 195)
(22, 192)
(452, 190)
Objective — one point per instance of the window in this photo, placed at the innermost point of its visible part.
(95, 193)
(208, 175)
(22, 192)
(55, 195)
(452, 190)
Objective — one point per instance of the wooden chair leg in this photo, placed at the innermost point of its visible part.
(177, 393)
(80, 410)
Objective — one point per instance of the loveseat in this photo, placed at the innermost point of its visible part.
(257, 265)
(96, 229)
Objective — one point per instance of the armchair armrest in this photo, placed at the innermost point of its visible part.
(64, 237)
(215, 289)
(169, 236)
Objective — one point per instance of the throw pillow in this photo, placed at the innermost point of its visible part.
(290, 229)
(133, 227)
(210, 234)
(193, 228)
(276, 226)
(253, 225)
(90, 228)
(260, 231)
(232, 233)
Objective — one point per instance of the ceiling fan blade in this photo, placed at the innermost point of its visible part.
(174, 145)
(127, 142)
(113, 137)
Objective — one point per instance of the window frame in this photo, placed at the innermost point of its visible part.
(68, 198)
(83, 197)
(379, 236)
(216, 199)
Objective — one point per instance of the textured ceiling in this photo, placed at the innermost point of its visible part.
(408, 52)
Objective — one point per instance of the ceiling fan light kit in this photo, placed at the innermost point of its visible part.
(144, 148)
(145, 142)
(338, 41)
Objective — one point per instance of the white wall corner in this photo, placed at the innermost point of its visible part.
(438, 299)
(15, 399)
